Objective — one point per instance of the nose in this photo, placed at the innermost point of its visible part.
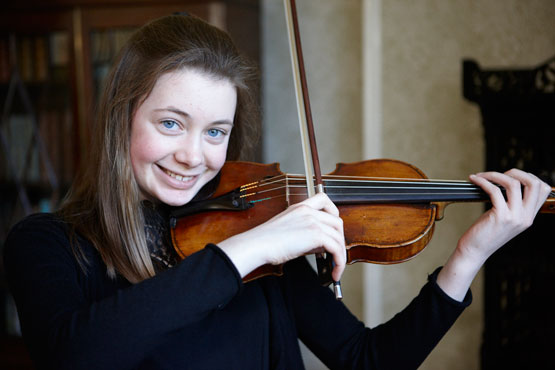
(189, 152)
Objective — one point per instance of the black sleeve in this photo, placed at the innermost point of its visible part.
(63, 330)
(341, 341)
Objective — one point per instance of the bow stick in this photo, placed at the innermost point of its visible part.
(314, 183)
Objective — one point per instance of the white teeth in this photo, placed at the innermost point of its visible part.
(179, 177)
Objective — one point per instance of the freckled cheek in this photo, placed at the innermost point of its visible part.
(217, 159)
(143, 152)
(221, 161)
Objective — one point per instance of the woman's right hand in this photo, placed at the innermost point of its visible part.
(311, 226)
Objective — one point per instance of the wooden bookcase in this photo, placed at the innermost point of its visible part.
(53, 58)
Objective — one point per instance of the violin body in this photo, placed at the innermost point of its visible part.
(387, 232)
(378, 233)
(193, 232)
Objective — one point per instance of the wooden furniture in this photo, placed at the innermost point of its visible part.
(517, 113)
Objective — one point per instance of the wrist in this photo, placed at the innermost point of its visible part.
(469, 255)
(245, 256)
(459, 271)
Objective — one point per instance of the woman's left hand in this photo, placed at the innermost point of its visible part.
(525, 194)
(508, 217)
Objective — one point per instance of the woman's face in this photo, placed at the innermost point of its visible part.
(180, 133)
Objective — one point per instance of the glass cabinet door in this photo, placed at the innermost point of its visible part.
(105, 44)
(36, 131)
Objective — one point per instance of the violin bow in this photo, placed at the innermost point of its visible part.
(314, 183)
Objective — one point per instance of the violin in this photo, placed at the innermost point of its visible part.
(388, 207)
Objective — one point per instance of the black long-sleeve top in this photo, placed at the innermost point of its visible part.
(199, 314)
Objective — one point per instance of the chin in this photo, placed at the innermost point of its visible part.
(176, 200)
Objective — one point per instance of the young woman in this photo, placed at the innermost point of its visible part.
(98, 285)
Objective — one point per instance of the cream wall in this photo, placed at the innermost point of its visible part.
(421, 116)
(427, 122)
(334, 87)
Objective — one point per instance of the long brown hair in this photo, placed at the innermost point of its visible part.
(103, 204)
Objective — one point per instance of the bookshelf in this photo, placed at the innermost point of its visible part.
(54, 56)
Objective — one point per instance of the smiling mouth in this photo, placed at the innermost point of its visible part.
(179, 177)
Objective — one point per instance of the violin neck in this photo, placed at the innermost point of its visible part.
(343, 192)
(402, 192)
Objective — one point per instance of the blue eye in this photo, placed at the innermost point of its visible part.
(169, 124)
(214, 132)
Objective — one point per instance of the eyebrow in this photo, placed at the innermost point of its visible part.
(173, 110)
(186, 115)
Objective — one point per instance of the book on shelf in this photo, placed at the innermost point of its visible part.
(25, 58)
(105, 45)
(69, 148)
(41, 59)
(5, 68)
(59, 48)
(34, 55)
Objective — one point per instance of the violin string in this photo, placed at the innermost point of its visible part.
(376, 190)
(393, 179)
(304, 195)
(377, 194)
(290, 186)
(279, 183)
(381, 184)
(337, 178)
(365, 186)
(368, 181)
(460, 192)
